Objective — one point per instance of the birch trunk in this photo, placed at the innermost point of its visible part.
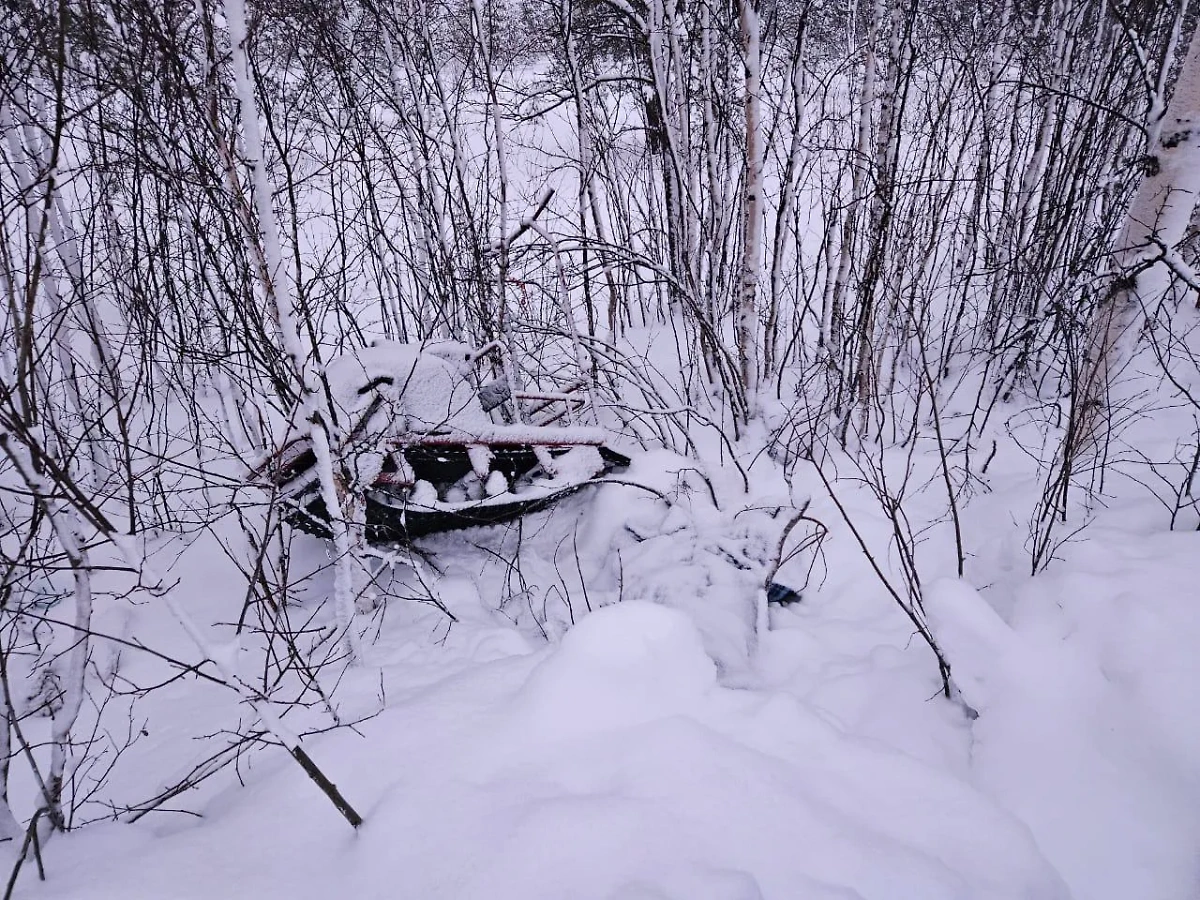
(747, 319)
(68, 529)
(589, 199)
(1017, 227)
(1145, 254)
(324, 429)
(858, 175)
(787, 199)
(483, 36)
(38, 211)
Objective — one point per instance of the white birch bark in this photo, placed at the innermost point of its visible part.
(10, 828)
(683, 145)
(781, 242)
(590, 200)
(36, 227)
(68, 529)
(1017, 224)
(662, 34)
(714, 211)
(858, 175)
(1155, 224)
(747, 318)
(876, 336)
(483, 37)
(65, 240)
(564, 301)
(324, 430)
(432, 205)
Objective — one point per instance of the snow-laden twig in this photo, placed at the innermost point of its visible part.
(262, 706)
(911, 605)
(65, 522)
(348, 535)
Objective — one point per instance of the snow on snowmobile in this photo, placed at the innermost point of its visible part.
(423, 443)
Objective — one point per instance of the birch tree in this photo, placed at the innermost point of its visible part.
(338, 478)
(747, 315)
(1146, 254)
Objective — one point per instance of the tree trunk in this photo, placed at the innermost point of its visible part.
(747, 319)
(1145, 253)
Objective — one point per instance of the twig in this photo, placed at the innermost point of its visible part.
(30, 838)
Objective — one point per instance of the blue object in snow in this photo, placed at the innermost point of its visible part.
(782, 594)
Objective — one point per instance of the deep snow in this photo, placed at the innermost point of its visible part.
(662, 746)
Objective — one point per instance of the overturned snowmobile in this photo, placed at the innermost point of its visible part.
(419, 441)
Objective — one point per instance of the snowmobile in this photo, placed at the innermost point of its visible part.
(421, 440)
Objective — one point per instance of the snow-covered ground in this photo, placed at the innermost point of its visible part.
(597, 701)
(608, 718)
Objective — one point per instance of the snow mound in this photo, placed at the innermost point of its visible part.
(625, 664)
(678, 549)
(612, 767)
(410, 387)
(1065, 746)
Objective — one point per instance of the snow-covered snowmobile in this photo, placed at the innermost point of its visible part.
(418, 435)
